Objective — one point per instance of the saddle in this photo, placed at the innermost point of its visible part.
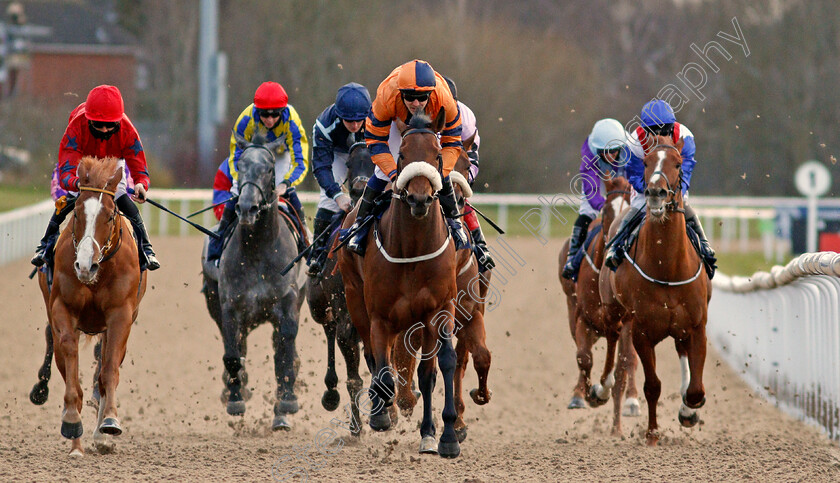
(577, 260)
(380, 206)
(290, 216)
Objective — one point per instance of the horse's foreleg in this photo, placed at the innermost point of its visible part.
(284, 365)
(584, 339)
(600, 393)
(231, 336)
(113, 352)
(631, 360)
(631, 406)
(41, 390)
(448, 446)
(66, 340)
(383, 388)
(331, 397)
(404, 362)
(427, 376)
(348, 344)
(692, 357)
(97, 354)
(653, 387)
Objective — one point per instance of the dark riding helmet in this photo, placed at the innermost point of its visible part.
(452, 87)
(658, 118)
(352, 103)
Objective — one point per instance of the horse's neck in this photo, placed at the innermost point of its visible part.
(265, 228)
(406, 236)
(665, 245)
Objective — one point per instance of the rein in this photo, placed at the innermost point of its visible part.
(420, 130)
(266, 201)
(660, 282)
(105, 252)
(420, 258)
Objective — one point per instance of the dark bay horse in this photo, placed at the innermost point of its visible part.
(248, 290)
(590, 318)
(96, 289)
(469, 322)
(328, 307)
(407, 281)
(663, 285)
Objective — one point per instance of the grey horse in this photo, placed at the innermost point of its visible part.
(247, 289)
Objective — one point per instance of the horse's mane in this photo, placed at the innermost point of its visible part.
(259, 139)
(97, 171)
(419, 121)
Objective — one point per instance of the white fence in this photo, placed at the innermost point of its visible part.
(781, 332)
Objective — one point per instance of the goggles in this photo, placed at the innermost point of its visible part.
(416, 96)
(660, 130)
(108, 126)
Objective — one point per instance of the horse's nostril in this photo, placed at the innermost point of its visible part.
(237, 210)
(253, 210)
(94, 268)
(76, 265)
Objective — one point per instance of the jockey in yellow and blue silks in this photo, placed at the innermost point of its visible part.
(273, 117)
(658, 119)
(413, 87)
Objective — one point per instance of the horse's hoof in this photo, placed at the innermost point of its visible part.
(652, 438)
(697, 406)
(689, 421)
(71, 430)
(577, 402)
(380, 422)
(76, 453)
(39, 394)
(111, 426)
(449, 450)
(632, 408)
(462, 434)
(286, 406)
(236, 408)
(281, 423)
(593, 399)
(330, 399)
(428, 445)
(479, 398)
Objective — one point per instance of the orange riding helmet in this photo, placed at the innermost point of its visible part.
(417, 76)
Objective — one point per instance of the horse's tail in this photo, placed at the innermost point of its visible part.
(41, 391)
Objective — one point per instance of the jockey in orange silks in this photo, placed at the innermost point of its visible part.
(411, 88)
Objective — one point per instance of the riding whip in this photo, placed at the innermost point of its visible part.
(308, 249)
(176, 215)
(232, 198)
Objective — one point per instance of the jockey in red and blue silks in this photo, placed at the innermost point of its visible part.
(222, 183)
(272, 116)
(99, 127)
(338, 127)
(413, 87)
(604, 153)
(658, 119)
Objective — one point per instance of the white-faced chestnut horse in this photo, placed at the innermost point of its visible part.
(97, 288)
(406, 281)
(665, 288)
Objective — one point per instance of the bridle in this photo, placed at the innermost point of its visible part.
(266, 200)
(105, 251)
(672, 204)
(420, 130)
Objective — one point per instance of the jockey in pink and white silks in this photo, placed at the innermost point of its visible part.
(658, 119)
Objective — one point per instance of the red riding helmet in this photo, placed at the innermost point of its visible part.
(104, 104)
(270, 95)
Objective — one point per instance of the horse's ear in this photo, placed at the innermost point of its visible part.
(469, 142)
(401, 126)
(241, 142)
(115, 179)
(440, 120)
(273, 145)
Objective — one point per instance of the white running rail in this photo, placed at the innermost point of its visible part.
(781, 331)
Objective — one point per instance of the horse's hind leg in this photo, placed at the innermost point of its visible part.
(624, 366)
(481, 358)
(629, 361)
(404, 361)
(348, 343)
(462, 358)
(584, 339)
(331, 397)
(41, 390)
(66, 340)
(285, 333)
(97, 354)
(653, 386)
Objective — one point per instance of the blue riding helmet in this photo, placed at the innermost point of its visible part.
(352, 103)
(656, 113)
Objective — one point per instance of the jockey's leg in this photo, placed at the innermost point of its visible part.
(706, 251)
(292, 196)
(578, 237)
(52, 230)
(374, 188)
(615, 253)
(451, 212)
(214, 248)
(323, 218)
(129, 209)
(482, 254)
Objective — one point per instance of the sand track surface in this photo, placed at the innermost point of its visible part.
(176, 427)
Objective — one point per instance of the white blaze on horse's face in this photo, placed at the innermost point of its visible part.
(656, 204)
(88, 246)
(618, 204)
(661, 155)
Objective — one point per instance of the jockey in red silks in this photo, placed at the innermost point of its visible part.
(272, 116)
(411, 88)
(658, 119)
(603, 154)
(99, 127)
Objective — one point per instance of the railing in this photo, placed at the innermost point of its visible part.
(781, 331)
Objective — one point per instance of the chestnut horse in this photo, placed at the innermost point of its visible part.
(96, 289)
(469, 321)
(590, 319)
(405, 281)
(664, 286)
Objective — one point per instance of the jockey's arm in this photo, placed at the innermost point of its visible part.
(298, 146)
(377, 129)
(244, 126)
(322, 160)
(688, 151)
(135, 158)
(450, 137)
(69, 156)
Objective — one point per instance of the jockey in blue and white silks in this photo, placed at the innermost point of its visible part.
(658, 119)
(604, 153)
(337, 128)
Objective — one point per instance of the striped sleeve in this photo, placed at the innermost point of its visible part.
(244, 126)
(450, 137)
(377, 128)
(298, 146)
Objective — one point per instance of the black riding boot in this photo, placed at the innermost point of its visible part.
(316, 256)
(578, 237)
(52, 230)
(482, 254)
(214, 248)
(146, 254)
(452, 214)
(706, 251)
(615, 253)
(357, 244)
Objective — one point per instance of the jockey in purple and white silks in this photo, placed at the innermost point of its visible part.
(603, 154)
(658, 119)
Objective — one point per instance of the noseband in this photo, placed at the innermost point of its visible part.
(672, 204)
(404, 192)
(105, 251)
(266, 201)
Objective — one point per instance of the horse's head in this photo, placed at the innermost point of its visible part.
(420, 163)
(460, 174)
(663, 173)
(95, 214)
(359, 169)
(618, 197)
(256, 177)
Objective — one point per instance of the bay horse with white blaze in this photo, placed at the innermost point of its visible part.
(97, 288)
(591, 318)
(664, 286)
(407, 280)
